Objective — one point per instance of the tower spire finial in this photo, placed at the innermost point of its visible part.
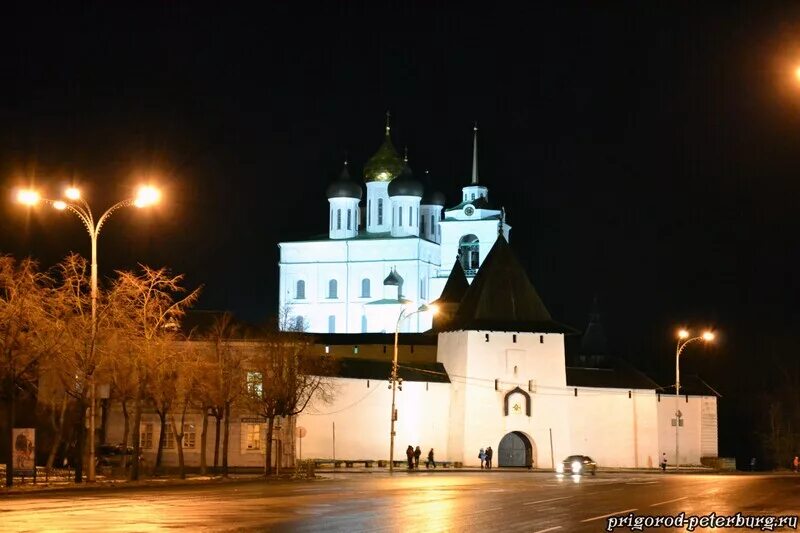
(475, 153)
(388, 127)
(405, 155)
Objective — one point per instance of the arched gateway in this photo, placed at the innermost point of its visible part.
(515, 449)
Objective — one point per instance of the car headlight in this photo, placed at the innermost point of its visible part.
(560, 468)
(576, 466)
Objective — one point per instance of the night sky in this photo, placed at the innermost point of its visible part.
(644, 154)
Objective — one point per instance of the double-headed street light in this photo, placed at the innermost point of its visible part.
(406, 312)
(146, 196)
(684, 339)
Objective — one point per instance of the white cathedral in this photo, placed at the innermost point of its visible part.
(399, 249)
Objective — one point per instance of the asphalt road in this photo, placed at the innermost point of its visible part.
(518, 501)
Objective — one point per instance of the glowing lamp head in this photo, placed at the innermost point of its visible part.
(797, 73)
(147, 196)
(28, 197)
(72, 193)
(683, 334)
(432, 309)
(60, 205)
(708, 336)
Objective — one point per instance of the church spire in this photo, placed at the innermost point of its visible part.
(475, 154)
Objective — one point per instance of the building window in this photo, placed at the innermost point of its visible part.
(167, 437)
(380, 211)
(146, 436)
(400, 215)
(338, 219)
(468, 248)
(422, 225)
(433, 227)
(349, 216)
(332, 324)
(189, 436)
(300, 290)
(369, 212)
(473, 197)
(252, 436)
(410, 217)
(422, 288)
(333, 289)
(363, 323)
(331, 219)
(255, 384)
(365, 288)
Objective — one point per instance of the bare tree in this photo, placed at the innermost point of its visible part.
(283, 378)
(28, 333)
(147, 307)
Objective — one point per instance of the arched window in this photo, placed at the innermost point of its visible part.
(363, 323)
(365, 288)
(349, 216)
(400, 214)
(332, 324)
(380, 211)
(422, 225)
(338, 219)
(332, 289)
(468, 251)
(300, 290)
(410, 217)
(422, 289)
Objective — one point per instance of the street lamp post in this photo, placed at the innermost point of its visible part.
(75, 203)
(684, 339)
(404, 313)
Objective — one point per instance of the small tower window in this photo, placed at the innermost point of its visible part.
(541, 339)
(514, 338)
(332, 324)
(363, 323)
(349, 216)
(422, 225)
(380, 211)
(369, 212)
(338, 219)
(422, 288)
(473, 197)
(332, 289)
(365, 288)
(300, 290)
(400, 216)
(433, 226)
(410, 216)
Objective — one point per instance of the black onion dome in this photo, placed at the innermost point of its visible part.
(344, 187)
(405, 184)
(432, 196)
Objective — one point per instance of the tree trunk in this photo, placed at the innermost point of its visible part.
(203, 432)
(268, 447)
(179, 444)
(59, 433)
(218, 418)
(10, 407)
(162, 438)
(80, 441)
(126, 430)
(227, 415)
(133, 475)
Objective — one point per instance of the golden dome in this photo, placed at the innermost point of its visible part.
(386, 164)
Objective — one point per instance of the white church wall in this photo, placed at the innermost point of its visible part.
(361, 418)
(690, 434)
(614, 429)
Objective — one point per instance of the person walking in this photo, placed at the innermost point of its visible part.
(489, 453)
(482, 457)
(430, 462)
(796, 464)
(410, 457)
(663, 462)
(417, 453)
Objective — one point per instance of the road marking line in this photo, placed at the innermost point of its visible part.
(548, 529)
(607, 515)
(668, 501)
(545, 501)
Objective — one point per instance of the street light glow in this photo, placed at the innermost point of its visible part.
(72, 193)
(146, 196)
(708, 336)
(797, 73)
(28, 197)
(683, 334)
(60, 205)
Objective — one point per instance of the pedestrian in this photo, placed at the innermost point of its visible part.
(410, 457)
(663, 462)
(482, 457)
(796, 464)
(430, 461)
(752, 464)
(417, 453)
(489, 453)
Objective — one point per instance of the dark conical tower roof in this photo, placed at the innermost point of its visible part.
(456, 286)
(502, 298)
